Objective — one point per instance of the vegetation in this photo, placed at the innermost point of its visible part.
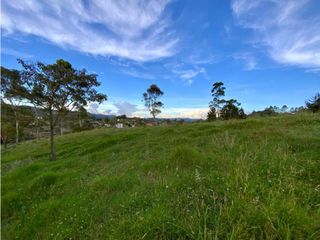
(13, 91)
(189, 181)
(221, 108)
(151, 100)
(314, 104)
(54, 88)
(212, 114)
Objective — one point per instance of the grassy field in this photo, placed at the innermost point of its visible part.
(244, 179)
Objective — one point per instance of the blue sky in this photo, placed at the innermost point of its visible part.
(267, 52)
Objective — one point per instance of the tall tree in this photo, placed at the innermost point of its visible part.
(284, 109)
(314, 103)
(151, 100)
(58, 87)
(212, 115)
(13, 92)
(217, 92)
(230, 109)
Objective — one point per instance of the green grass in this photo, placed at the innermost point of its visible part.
(244, 179)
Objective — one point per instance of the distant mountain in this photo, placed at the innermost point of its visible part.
(102, 116)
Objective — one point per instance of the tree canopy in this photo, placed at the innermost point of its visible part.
(57, 88)
(151, 99)
(314, 103)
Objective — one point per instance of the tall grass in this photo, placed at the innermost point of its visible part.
(249, 179)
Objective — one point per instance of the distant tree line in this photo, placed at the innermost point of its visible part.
(220, 108)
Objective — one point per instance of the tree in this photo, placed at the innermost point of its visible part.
(13, 91)
(242, 115)
(230, 109)
(284, 109)
(151, 99)
(212, 114)
(217, 92)
(314, 103)
(58, 87)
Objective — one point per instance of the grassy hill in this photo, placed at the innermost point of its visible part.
(248, 179)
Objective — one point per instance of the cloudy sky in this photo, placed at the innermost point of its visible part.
(267, 52)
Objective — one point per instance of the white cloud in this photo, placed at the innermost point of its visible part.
(289, 30)
(195, 113)
(248, 59)
(14, 53)
(138, 74)
(126, 108)
(174, 112)
(187, 75)
(93, 108)
(138, 30)
(138, 110)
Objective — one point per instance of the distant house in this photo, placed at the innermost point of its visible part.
(119, 125)
(130, 124)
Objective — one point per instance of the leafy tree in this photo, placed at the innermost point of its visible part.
(217, 92)
(225, 109)
(7, 132)
(284, 108)
(58, 87)
(269, 111)
(314, 103)
(242, 115)
(151, 99)
(230, 109)
(13, 91)
(212, 114)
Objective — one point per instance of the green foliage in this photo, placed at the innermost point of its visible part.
(251, 179)
(212, 114)
(57, 87)
(12, 88)
(231, 110)
(217, 92)
(314, 104)
(151, 99)
(221, 108)
(267, 112)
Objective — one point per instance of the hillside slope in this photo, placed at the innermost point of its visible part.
(254, 178)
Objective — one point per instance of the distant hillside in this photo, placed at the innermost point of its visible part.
(242, 179)
(104, 116)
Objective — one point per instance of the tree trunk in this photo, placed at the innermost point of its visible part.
(80, 121)
(37, 133)
(17, 131)
(52, 146)
(61, 128)
(5, 142)
(37, 128)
